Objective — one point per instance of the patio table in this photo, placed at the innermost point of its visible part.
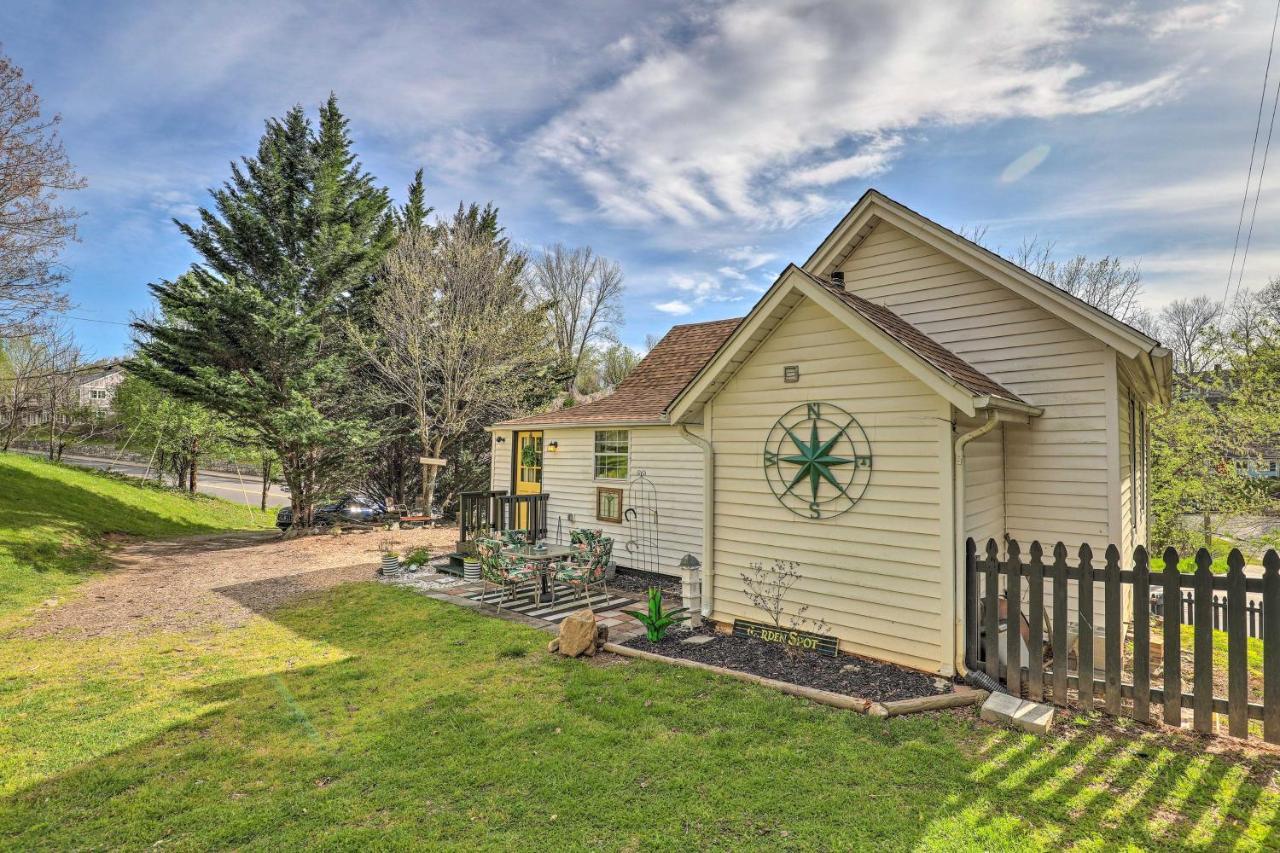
(543, 557)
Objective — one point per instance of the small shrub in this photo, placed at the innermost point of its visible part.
(418, 557)
(655, 621)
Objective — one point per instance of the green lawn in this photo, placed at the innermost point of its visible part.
(372, 717)
(53, 519)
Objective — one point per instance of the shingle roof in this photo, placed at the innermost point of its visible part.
(654, 384)
(966, 375)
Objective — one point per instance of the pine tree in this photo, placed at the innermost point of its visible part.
(413, 215)
(253, 331)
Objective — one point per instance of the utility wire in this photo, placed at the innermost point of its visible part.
(1248, 181)
(1244, 257)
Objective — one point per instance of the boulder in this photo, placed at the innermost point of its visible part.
(578, 634)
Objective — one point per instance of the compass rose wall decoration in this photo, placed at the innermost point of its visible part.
(817, 460)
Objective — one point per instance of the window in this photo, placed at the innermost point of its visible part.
(97, 394)
(609, 505)
(611, 454)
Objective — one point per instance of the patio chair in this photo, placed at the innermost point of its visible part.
(589, 565)
(502, 570)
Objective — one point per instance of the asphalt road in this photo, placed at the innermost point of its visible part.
(247, 490)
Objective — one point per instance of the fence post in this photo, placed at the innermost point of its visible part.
(1141, 636)
(1084, 637)
(1111, 601)
(1202, 707)
(990, 616)
(1013, 619)
(1060, 624)
(1172, 639)
(1271, 647)
(1035, 618)
(1237, 649)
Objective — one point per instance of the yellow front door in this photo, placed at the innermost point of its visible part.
(528, 472)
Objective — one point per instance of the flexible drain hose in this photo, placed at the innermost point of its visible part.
(978, 678)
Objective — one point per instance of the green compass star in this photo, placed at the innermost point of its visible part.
(815, 459)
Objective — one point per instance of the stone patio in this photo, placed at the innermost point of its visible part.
(454, 590)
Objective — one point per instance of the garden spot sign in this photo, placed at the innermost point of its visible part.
(817, 459)
(823, 644)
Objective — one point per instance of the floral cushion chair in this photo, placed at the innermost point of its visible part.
(587, 567)
(503, 570)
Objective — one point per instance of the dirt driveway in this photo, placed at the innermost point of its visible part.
(219, 581)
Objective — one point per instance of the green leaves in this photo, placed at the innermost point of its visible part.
(656, 621)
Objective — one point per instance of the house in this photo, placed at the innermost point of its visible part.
(901, 391)
(93, 388)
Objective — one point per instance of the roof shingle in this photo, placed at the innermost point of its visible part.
(656, 381)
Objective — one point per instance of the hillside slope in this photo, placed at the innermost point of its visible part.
(55, 523)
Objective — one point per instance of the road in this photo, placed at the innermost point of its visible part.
(246, 490)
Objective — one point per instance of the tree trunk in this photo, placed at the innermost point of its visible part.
(195, 458)
(266, 480)
(160, 462)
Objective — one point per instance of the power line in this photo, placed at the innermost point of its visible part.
(96, 320)
(1248, 181)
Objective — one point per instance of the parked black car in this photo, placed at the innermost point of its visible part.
(347, 511)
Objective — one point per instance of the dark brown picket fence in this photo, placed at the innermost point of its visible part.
(1126, 690)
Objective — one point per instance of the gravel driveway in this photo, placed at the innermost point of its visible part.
(219, 581)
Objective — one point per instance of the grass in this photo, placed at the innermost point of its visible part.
(1187, 565)
(371, 717)
(53, 519)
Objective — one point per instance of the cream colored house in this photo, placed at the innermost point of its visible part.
(903, 390)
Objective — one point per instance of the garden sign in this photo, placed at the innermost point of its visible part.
(823, 644)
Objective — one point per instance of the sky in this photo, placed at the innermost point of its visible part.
(702, 145)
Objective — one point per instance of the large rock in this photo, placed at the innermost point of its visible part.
(578, 634)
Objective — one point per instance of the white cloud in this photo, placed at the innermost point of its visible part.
(730, 272)
(749, 257)
(675, 308)
(1195, 17)
(706, 131)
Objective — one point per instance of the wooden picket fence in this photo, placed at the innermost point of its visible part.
(1131, 693)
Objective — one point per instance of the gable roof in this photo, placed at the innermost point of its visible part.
(643, 397)
(1153, 360)
(955, 367)
(953, 378)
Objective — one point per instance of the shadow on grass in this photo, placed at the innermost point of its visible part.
(443, 726)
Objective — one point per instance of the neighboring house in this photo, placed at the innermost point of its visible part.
(97, 390)
(1215, 387)
(901, 391)
(94, 388)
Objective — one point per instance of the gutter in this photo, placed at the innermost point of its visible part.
(954, 643)
(708, 515)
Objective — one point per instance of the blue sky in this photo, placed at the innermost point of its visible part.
(702, 145)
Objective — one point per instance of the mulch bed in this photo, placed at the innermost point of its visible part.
(846, 674)
(634, 580)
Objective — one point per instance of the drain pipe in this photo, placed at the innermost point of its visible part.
(956, 615)
(708, 516)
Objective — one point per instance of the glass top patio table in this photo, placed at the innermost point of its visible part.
(532, 552)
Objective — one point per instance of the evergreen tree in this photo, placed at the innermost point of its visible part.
(253, 331)
(413, 215)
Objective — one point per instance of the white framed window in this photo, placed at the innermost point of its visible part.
(612, 454)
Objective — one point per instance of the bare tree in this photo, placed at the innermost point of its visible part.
(26, 363)
(1189, 327)
(455, 335)
(1107, 283)
(34, 227)
(1249, 322)
(583, 293)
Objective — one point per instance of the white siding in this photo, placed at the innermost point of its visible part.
(1055, 469)
(873, 573)
(500, 460)
(672, 463)
(984, 487)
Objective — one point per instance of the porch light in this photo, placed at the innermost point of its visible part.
(500, 439)
(554, 445)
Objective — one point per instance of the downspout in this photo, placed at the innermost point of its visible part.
(957, 614)
(708, 515)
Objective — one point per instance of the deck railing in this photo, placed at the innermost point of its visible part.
(1131, 693)
(495, 510)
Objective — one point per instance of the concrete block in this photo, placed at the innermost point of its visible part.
(1028, 716)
